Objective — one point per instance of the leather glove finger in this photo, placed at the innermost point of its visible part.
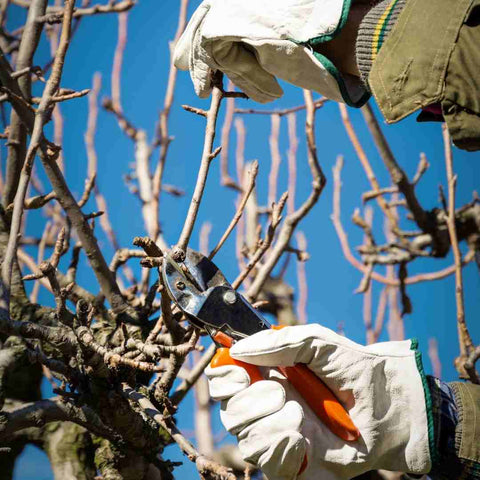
(259, 400)
(190, 55)
(284, 458)
(181, 53)
(241, 65)
(256, 438)
(225, 381)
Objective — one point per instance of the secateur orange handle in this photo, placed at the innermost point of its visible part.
(322, 401)
(222, 357)
(316, 394)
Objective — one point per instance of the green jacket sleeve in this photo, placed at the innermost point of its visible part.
(429, 58)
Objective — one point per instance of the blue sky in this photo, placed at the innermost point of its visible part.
(331, 279)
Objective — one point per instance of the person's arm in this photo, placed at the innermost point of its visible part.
(456, 421)
(341, 50)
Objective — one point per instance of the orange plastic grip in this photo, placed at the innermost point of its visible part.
(320, 399)
(222, 357)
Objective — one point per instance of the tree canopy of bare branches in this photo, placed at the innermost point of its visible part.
(86, 310)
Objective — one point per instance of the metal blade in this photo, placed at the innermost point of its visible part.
(204, 294)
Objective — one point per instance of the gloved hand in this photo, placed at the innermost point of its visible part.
(381, 386)
(255, 41)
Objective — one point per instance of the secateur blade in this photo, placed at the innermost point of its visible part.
(201, 291)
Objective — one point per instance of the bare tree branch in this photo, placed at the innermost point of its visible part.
(292, 161)
(39, 413)
(434, 357)
(365, 164)
(465, 341)
(207, 156)
(41, 117)
(302, 280)
(163, 136)
(250, 186)
(203, 464)
(17, 131)
(288, 226)
(398, 176)
(347, 252)
(275, 159)
(281, 112)
(225, 178)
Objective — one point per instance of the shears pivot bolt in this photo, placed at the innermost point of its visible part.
(180, 285)
(230, 297)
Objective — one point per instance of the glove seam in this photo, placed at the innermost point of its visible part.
(434, 455)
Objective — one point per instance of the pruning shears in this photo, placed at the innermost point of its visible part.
(199, 288)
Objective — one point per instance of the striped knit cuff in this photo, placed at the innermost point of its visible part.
(373, 31)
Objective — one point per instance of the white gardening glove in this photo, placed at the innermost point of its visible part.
(255, 41)
(380, 385)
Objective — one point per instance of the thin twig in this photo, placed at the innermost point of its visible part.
(292, 161)
(204, 237)
(347, 252)
(118, 60)
(275, 220)
(55, 14)
(396, 327)
(365, 164)
(202, 463)
(465, 341)
(17, 131)
(40, 256)
(373, 334)
(302, 280)
(41, 117)
(163, 135)
(53, 36)
(281, 112)
(239, 165)
(250, 186)
(434, 357)
(225, 178)
(274, 140)
(207, 157)
(292, 220)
